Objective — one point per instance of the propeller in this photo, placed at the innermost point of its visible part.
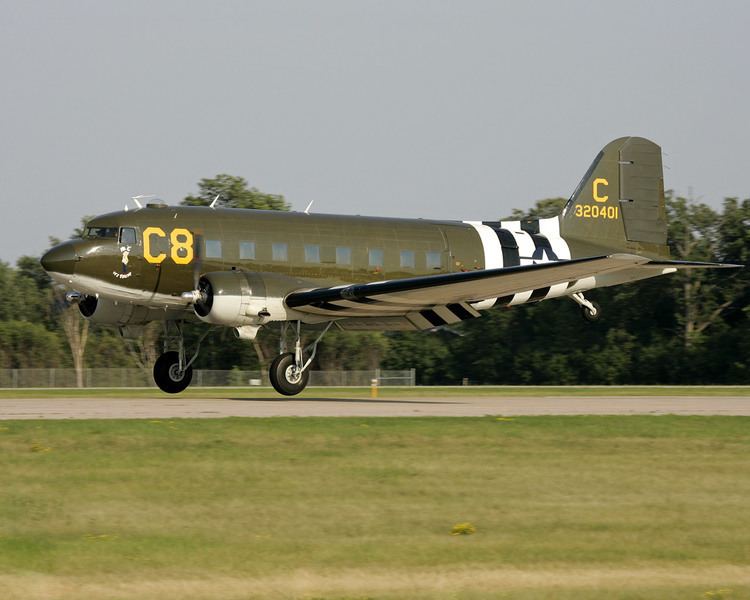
(202, 295)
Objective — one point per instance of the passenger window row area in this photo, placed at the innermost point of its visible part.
(313, 253)
(340, 255)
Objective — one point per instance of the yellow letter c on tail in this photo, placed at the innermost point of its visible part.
(597, 182)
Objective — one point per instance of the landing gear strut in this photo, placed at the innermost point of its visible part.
(590, 310)
(289, 372)
(172, 373)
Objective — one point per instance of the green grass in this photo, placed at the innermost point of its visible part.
(388, 392)
(564, 507)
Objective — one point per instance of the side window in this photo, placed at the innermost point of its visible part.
(127, 236)
(407, 259)
(343, 255)
(213, 248)
(434, 260)
(279, 251)
(312, 253)
(247, 250)
(376, 257)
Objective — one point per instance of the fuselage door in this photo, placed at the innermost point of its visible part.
(133, 265)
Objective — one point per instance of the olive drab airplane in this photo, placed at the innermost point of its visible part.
(248, 269)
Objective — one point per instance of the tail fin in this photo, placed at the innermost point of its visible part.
(619, 203)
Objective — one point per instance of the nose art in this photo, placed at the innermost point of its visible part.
(60, 259)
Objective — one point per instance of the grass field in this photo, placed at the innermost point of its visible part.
(388, 392)
(564, 507)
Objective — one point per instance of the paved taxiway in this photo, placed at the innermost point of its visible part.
(161, 407)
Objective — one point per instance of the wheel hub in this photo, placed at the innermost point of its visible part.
(175, 374)
(293, 374)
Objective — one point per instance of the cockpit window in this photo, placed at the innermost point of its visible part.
(101, 232)
(127, 235)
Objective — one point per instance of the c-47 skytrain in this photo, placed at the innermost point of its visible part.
(248, 269)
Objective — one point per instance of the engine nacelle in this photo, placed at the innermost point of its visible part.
(236, 299)
(113, 312)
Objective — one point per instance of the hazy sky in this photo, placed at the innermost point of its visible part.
(435, 109)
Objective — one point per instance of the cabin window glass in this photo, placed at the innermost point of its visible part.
(312, 253)
(376, 257)
(127, 235)
(247, 250)
(434, 260)
(343, 255)
(213, 248)
(101, 232)
(407, 259)
(280, 251)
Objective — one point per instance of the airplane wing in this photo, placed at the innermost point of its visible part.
(447, 298)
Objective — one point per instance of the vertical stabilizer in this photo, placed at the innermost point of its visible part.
(619, 204)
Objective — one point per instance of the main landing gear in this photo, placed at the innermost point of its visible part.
(590, 310)
(289, 372)
(172, 373)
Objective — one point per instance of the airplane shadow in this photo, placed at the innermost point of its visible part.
(339, 400)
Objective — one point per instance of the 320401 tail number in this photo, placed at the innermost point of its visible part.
(593, 211)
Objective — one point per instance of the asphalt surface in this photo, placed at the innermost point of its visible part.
(164, 407)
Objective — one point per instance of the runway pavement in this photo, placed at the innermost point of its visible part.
(163, 407)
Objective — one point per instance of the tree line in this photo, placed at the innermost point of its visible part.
(689, 327)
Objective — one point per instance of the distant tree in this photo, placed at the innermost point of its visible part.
(543, 209)
(352, 350)
(695, 234)
(233, 192)
(25, 345)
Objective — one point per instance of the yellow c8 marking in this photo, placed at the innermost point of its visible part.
(599, 181)
(147, 233)
(181, 246)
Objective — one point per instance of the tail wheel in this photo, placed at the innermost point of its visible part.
(591, 315)
(168, 376)
(286, 378)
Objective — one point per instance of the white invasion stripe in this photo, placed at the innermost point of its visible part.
(582, 285)
(493, 252)
(550, 228)
(526, 246)
(484, 304)
(521, 298)
(511, 225)
(559, 289)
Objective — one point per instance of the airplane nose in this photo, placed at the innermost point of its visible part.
(60, 259)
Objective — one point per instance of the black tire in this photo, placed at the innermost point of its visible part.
(166, 373)
(282, 376)
(589, 315)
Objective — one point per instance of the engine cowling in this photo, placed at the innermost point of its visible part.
(236, 299)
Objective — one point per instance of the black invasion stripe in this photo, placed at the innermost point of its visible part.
(365, 300)
(538, 294)
(508, 244)
(531, 227)
(503, 301)
(460, 311)
(432, 317)
(541, 244)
